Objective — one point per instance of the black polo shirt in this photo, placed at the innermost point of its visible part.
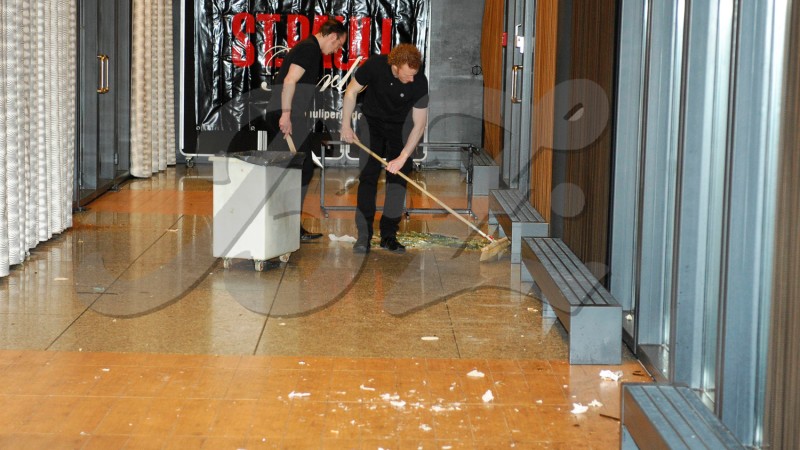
(308, 55)
(386, 98)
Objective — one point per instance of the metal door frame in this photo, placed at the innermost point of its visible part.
(520, 28)
(103, 91)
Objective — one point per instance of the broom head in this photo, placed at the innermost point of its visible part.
(495, 249)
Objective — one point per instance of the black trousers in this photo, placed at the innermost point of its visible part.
(385, 139)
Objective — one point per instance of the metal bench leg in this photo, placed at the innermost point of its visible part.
(470, 171)
(595, 335)
(547, 311)
(627, 440)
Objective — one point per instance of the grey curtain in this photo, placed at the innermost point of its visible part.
(152, 91)
(38, 66)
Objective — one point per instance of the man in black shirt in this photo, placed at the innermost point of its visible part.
(293, 94)
(393, 88)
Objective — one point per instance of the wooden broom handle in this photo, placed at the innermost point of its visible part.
(290, 141)
(424, 191)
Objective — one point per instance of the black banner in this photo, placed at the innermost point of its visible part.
(239, 43)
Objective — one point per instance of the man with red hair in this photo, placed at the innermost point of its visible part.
(393, 89)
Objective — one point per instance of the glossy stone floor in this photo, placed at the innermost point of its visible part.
(125, 332)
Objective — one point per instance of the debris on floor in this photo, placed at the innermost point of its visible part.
(610, 376)
(578, 408)
(475, 374)
(414, 239)
(343, 238)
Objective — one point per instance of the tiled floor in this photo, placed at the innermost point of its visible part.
(125, 332)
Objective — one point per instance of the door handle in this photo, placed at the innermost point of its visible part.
(104, 87)
(514, 79)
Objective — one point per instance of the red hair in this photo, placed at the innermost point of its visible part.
(406, 54)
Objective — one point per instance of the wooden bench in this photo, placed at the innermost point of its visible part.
(666, 416)
(485, 171)
(516, 219)
(589, 313)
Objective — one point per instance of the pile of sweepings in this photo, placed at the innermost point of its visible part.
(414, 239)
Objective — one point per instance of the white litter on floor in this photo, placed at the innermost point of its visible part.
(294, 394)
(475, 374)
(577, 408)
(442, 408)
(343, 238)
(488, 396)
(611, 376)
(390, 398)
(595, 404)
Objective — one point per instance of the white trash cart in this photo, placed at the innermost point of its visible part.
(256, 206)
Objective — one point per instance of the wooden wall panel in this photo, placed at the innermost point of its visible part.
(492, 64)
(544, 80)
(593, 58)
(783, 382)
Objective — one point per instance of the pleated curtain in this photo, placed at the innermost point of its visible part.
(38, 69)
(152, 89)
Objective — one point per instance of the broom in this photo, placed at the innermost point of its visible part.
(293, 149)
(495, 247)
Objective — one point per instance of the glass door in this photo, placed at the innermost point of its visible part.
(104, 98)
(657, 200)
(518, 98)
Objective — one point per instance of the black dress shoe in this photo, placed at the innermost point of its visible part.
(361, 246)
(390, 243)
(306, 235)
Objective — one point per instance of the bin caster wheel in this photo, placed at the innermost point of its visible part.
(226, 263)
(190, 162)
(259, 265)
(285, 257)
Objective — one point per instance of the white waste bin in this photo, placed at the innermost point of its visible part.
(256, 206)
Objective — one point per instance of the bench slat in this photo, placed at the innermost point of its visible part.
(571, 273)
(516, 206)
(669, 413)
(592, 288)
(667, 416)
(706, 425)
(648, 403)
(549, 266)
(554, 266)
(691, 422)
(576, 281)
